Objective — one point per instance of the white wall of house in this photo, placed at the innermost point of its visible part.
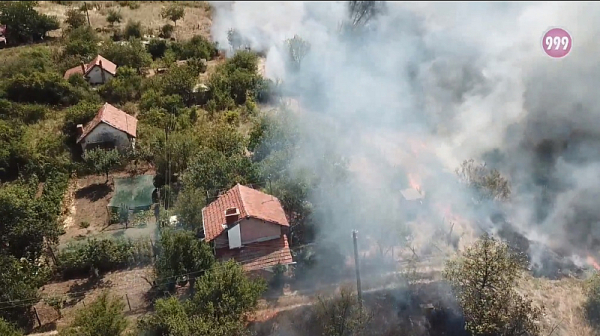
(95, 75)
(104, 133)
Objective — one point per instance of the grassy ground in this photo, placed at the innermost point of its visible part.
(197, 19)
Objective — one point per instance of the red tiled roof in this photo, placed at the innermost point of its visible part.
(113, 117)
(250, 203)
(107, 65)
(260, 255)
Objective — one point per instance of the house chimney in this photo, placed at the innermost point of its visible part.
(231, 216)
(102, 72)
(83, 68)
(79, 130)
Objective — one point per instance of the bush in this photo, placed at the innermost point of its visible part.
(157, 48)
(81, 113)
(75, 18)
(113, 17)
(132, 54)
(103, 255)
(166, 31)
(133, 29)
(82, 42)
(197, 47)
(123, 88)
(43, 88)
(24, 24)
(84, 225)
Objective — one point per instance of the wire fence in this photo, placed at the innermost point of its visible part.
(136, 287)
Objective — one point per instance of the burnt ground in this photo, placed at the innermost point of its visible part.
(426, 309)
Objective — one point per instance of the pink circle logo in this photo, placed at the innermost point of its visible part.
(557, 43)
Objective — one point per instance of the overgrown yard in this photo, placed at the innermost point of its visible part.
(77, 292)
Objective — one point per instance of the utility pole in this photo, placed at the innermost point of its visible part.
(358, 287)
(87, 13)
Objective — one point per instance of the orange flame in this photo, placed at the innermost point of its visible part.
(414, 182)
(593, 262)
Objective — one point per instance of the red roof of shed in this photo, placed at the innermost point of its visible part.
(107, 65)
(113, 117)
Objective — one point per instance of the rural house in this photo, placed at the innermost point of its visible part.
(110, 128)
(248, 226)
(98, 71)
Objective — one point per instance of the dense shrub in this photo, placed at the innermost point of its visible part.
(75, 18)
(123, 88)
(24, 24)
(78, 260)
(234, 81)
(81, 113)
(166, 31)
(197, 47)
(41, 87)
(132, 54)
(157, 48)
(82, 42)
(133, 29)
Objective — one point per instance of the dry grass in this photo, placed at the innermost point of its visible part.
(563, 301)
(197, 19)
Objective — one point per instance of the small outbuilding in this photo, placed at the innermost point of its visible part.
(110, 128)
(98, 71)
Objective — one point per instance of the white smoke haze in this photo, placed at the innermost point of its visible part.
(432, 84)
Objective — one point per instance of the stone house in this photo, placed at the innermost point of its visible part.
(98, 71)
(110, 128)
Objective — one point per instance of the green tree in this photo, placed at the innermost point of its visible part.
(43, 88)
(125, 87)
(341, 315)
(166, 31)
(173, 12)
(113, 17)
(103, 161)
(234, 81)
(82, 42)
(212, 170)
(189, 205)
(487, 184)
(157, 48)
(484, 279)
(79, 114)
(7, 329)
(132, 54)
(24, 24)
(102, 317)
(19, 282)
(226, 291)
(182, 253)
(223, 298)
(297, 50)
(75, 18)
(133, 29)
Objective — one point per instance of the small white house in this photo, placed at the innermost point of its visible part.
(98, 71)
(110, 128)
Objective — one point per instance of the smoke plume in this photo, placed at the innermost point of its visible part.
(423, 86)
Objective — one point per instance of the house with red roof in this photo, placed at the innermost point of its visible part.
(98, 71)
(110, 128)
(249, 226)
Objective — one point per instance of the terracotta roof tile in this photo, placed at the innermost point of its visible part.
(106, 65)
(260, 255)
(113, 117)
(250, 203)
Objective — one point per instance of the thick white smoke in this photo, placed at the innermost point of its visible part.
(464, 79)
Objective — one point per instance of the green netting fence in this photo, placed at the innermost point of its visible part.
(133, 193)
